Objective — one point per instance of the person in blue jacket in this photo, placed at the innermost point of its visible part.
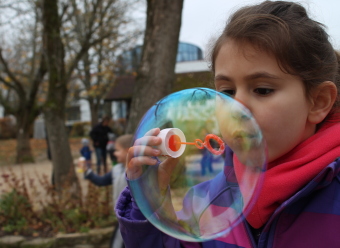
(86, 152)
(279, 63)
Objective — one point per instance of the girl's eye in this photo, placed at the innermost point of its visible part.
(229, 92)
(263, 91)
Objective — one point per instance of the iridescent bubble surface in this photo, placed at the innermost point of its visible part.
(211, 190)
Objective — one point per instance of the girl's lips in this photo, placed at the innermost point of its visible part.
(243, 134)
(244, 140)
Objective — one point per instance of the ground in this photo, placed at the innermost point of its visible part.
(32, 171)
(42, 165)
(39, 150)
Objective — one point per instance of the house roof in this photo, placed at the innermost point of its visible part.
(122, 89)
(124, 85)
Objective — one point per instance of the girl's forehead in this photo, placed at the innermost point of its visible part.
(241, 55)
(232, 49)
(245, 48)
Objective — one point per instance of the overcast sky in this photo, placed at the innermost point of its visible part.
(204, 19)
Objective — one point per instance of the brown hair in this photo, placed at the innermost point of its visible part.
(300, 44)
(125, 140)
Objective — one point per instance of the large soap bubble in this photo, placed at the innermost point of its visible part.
(217, 176)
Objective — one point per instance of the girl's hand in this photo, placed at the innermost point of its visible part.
(141, 154)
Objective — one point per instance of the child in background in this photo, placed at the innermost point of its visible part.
(116, 177)
(86, 152)
(280, 64)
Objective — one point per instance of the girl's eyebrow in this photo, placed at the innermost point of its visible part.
(222, 77)
(253, 76)
(261, 75)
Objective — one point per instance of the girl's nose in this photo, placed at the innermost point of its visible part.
(241, 113)
(239, 100)
(242, 96)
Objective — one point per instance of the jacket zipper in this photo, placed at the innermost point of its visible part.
(250, 235)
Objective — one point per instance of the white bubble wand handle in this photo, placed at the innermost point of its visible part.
(169, 146)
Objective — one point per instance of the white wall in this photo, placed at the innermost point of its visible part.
(2, 112)
(119, 109)
(85, 113)
(191, 66)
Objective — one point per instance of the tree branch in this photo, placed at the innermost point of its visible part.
(85, 47)
(7, 105)
(19, 89)
(63, 12)
(39, 76)
(7, 84)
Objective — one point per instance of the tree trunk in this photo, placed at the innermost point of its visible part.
(63, 168)
(25, 117)
(108, 109)
(24, 152)
(155, 74)
(54, 109)
(94, 113)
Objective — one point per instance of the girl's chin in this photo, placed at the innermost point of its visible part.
(273, 157)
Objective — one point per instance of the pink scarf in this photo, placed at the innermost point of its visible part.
(286, 175)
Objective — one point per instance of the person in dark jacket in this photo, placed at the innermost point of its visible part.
(99, 135)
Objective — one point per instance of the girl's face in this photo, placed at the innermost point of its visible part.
(277, 100)
(120, 153)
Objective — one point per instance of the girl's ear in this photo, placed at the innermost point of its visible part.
(323, 98)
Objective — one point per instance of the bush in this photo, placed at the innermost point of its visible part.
(80, 129)
(12, 207)
(7, 128)
(29, 214)
(118, 126)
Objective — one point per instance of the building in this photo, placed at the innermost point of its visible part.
(191, 71)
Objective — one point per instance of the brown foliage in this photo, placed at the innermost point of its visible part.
(7, 128)
(41, 211)
(80, 129)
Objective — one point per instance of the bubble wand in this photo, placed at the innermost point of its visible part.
(174, 140)
(175, 143)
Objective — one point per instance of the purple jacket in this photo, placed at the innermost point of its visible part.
(310, 218)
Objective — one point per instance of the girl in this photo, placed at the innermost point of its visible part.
(280, 64)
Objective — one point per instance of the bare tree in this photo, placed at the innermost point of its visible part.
(22, 72)
(156, 71)
(94, 29)
(95, 84)
(96, 69)
(54, 108)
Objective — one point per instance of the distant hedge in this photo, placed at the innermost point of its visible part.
(7, 128)
(80, 129)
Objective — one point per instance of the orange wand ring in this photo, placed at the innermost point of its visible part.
(200, 144)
